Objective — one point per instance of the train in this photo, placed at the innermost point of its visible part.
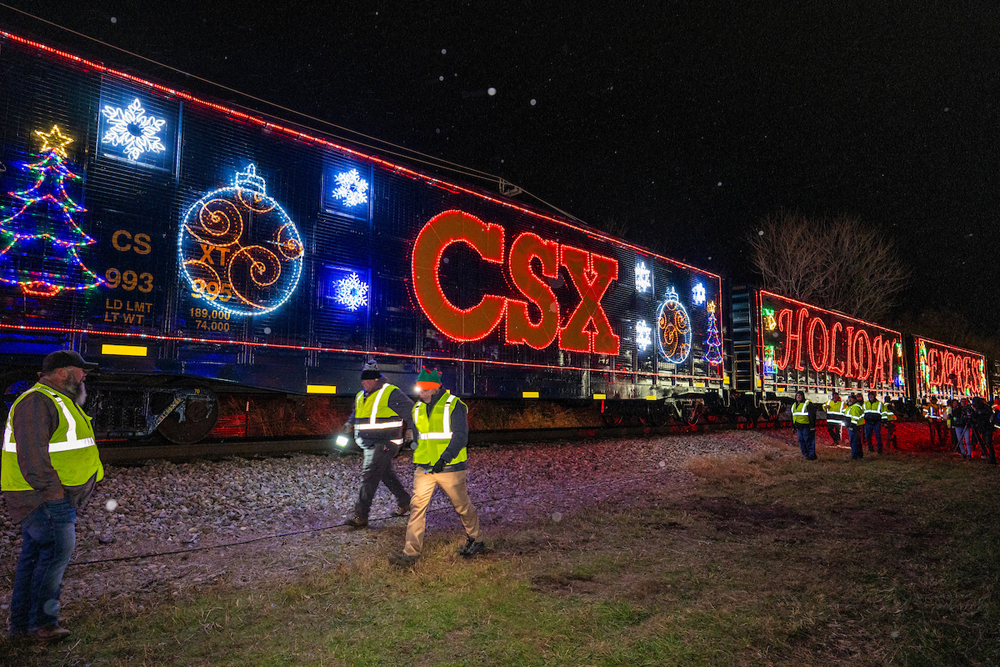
(194, 249)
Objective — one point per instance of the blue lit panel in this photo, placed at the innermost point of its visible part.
(347, 189)
(344, 289)
(137, 127)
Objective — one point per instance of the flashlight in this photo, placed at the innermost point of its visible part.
(342, 441)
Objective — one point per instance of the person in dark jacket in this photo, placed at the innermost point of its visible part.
(961, 422)
(377, 425)
(982, 428)
(50, 465)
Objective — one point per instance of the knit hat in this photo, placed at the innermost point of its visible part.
(428, 379)
(370, 370)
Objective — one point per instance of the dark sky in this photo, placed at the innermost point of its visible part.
(687, 121)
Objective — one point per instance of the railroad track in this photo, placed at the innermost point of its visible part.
(127, 452)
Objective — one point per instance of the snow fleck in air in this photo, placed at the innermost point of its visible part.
(111, 505)
(557, 516)
(114, 20)
(760, 233)
(444, 51)
(533, 102)
(720, 184)
(492, 91)
(441, 78)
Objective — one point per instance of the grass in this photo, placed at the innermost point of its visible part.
(765, 560)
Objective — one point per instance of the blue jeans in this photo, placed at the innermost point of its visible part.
(876, 430)
(856, 450)
(49, 535)
(807, 441)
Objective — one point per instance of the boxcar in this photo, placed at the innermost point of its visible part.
(193, 248)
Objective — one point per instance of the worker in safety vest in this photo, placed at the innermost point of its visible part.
(804, 423)
(873, 421)
(889, 420)
(834, 417)
(48, 470)
(377, 425)
(441, 431)
(856, 414)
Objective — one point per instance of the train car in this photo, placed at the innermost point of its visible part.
(192, 248)
(782, 346)
(946, 371)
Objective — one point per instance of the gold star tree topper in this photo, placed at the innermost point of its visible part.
(54, 140)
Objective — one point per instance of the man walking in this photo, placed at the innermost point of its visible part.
(377, 424)
(856, 414)
(48, 470)
(441, 429)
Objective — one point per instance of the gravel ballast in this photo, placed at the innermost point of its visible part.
(282, 514)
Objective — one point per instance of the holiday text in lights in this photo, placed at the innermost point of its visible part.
(834, 344)
(587, 328)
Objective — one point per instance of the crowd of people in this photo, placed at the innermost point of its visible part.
(964, 425)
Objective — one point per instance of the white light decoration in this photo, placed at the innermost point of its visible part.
(698, 294)
(352, 293)
(643, 277)
(133, 129)
(643, 335)
(351, 188)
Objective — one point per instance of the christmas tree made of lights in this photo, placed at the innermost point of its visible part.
(39, 240)
(713, 343)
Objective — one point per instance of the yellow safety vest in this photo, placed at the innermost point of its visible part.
(856, 413)
(435, 430)
(874, 410)
(800, 413)
(374, 419)
(834, 410)
(72, 448)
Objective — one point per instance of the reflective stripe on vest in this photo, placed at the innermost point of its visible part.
(800, 413)
(72, 448)
(435, 430)
(855, 412)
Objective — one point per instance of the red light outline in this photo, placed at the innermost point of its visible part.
(302, 136)
(520, 329)
(947, 389)
(587, 270)
(441, 231)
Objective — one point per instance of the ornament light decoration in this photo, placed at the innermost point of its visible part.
(674, 335)
(240, 274)
(351, 188)
(133, 129)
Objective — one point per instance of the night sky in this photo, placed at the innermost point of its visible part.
(685, 121)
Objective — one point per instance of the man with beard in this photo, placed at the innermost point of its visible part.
(48, 470)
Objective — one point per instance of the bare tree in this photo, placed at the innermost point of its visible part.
(839, 263)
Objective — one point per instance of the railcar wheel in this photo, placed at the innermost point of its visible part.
(612, 419)
(191, 420)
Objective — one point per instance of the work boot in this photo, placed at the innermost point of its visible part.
(49, 633)
(403, 560)
(402, 510)
(471, 548)
(357, 521)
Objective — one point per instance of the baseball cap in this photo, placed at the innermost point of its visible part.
(64, 358)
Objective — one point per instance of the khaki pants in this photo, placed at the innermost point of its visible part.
(453, 484)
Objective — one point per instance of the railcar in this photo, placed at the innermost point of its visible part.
(192, 249)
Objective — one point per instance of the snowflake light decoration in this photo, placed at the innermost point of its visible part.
(643, 277)
(351, 188)
(698, 294)
(643, 335)
(133, 129)
(352, 293)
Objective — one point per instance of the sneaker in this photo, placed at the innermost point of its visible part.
(402, 510)
(50, 633)
(357, 522)
(403, 560)
(471, 548)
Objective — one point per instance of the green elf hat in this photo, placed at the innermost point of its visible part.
(428, 379)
